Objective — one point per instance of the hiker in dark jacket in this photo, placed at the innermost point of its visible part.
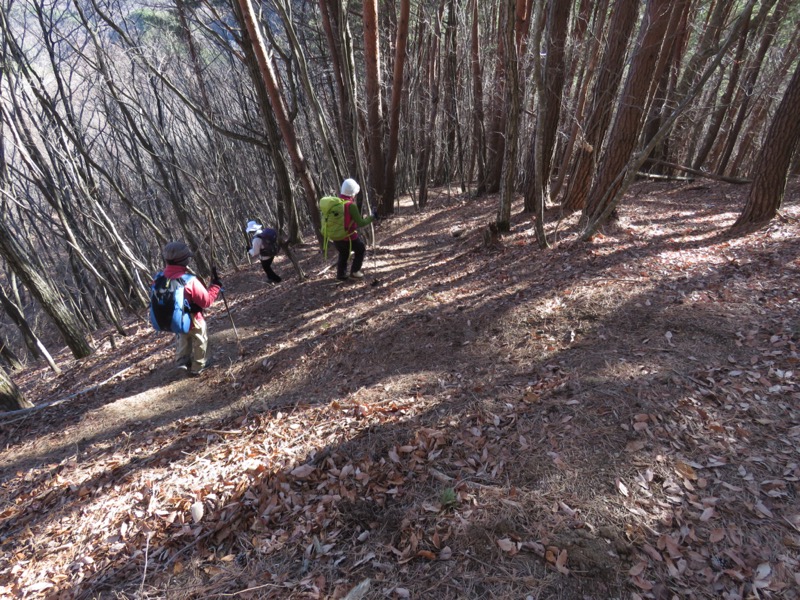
(351, 242)
(264, 245)
(191, 349)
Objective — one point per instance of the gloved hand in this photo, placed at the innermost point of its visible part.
(374, 213)
(215, 280)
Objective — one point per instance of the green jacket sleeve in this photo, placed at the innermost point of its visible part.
(355, 215)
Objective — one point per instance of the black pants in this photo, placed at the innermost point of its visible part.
(266, 264)
(344, 247)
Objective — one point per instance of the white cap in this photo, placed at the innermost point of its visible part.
(350, 187)
(253, 226)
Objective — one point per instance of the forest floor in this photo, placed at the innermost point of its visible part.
(611, 419)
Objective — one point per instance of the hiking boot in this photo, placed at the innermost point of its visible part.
(182, 368)
(357, 275)
(191, 373)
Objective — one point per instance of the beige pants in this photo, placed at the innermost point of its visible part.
(191, 348)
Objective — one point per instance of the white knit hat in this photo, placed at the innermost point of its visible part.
(350, 187)
(253, 226)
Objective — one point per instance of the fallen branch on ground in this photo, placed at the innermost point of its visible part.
(25, 411)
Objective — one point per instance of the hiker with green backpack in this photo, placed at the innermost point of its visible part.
(341, 219)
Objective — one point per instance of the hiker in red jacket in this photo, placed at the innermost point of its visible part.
(352, 222)
(191, 348)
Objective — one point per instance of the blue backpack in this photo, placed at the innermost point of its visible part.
(169, 309)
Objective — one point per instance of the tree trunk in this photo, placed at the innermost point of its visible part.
(601, 111)
(444, 174)
(552, 84)
(772, 167)
(317, 117)
(334, 34)
(752, 72)
(663, 96)
(428, 126)
(287, 211)
(299, 164)
(45, 292)
(11, 359)
(513, 109)
(724, 103)
(10, 396)
(35, 346)
(375, 122)
(387, 206)
(478, 125)
(495, 141)
(581, 73)
(630, 113)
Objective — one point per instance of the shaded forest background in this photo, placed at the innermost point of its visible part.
(125, 125)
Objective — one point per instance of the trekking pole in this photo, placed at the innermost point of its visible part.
(225, 302)
(374, 240)
(374, 243)
(215, 275)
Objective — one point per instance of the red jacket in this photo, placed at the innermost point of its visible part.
(195, 292)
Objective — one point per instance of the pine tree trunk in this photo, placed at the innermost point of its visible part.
(601, 111)
(582, 71)
(387, 207)
(428, 127)
(495, 138)
(550, 105)
(772, 167)
(375, 122)
(630, 114)
(513, 108)
(724, 103)
(478, 138)
(752, 72)
(444, 173)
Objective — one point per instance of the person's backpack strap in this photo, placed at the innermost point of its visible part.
(348, 220)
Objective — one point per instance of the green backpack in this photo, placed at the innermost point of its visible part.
(335, 218)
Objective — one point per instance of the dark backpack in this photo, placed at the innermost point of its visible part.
(169, 309)
(269, 241)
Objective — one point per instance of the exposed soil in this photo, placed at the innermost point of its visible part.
(611, 419)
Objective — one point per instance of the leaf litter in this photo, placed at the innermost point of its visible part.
(611, 419)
